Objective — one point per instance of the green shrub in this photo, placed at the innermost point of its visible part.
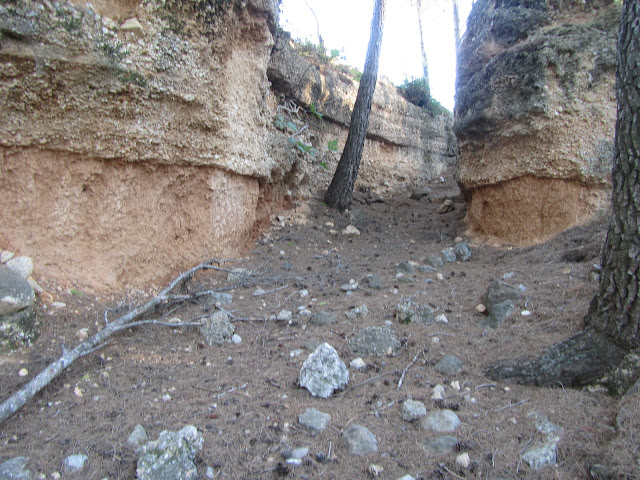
(417, 91)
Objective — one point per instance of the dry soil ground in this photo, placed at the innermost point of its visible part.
(244, 397)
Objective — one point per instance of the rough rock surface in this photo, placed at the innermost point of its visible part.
(359, 440)
(134, 130)
(17, 310)
(535, 115)
(323, 372)
(171, 456)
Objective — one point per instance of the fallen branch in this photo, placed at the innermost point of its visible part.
(404, 372)
(16, 401)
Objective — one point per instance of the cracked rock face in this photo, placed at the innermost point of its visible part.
(535, 116)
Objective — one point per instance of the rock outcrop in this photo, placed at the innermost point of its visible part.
(140, 138)
(535, 115)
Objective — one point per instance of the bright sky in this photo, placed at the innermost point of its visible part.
(345, 24)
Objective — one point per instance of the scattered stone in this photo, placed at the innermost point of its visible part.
(540, 456)
(324, 318)
(284, 315)
(435, 447)
(171, 456)
(217, 329)
(74, 463)
(375, 470)
(236, 339)
(403, 278)
(498, 313)
(82, 334)
(23, 266)
(375, 341)
(209, 473)
(449, 254)
(449, 365)
(17, 310)
(437, 393)
(23, 372)
(258, 292)
(238, 275)
(405, 267)
(441, 421)
(427, 269)
(300, 452)
(463, 460)
(442, 318)
(351, 231)
(480, 308)
(412, 410)
(359, 440)
(58, 304)
(349, 287)
(435, 260)
(412, 312)
(357, 312)
(314, 420)
(357, 363)
(420, 193)
(137, 439)
(221, 298)
(525, 313)
(498, 292)
(462, 251)
(446, 207)
(373, 281)
(15, 469)
(406, 477)
(323, 372)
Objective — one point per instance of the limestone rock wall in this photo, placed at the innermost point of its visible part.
(535, 115)
(139, 137)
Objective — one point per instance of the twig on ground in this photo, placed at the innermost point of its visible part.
(241, 319)
(522, 453)
(486, 385)
(372, 379)
(270, 291)
(442, 465)
(404, 372)
(16, 401)
(511, 405)
(326, 254)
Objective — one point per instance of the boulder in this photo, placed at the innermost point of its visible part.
(323, 372)
(172, 456)
(17, 310)
(535, 115)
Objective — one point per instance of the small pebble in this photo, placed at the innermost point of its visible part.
(481, 308)
(23, 372)
(463, 460)
(442, 318)
(237, 339)
(58, 304)
(525, 313)
(357, 363)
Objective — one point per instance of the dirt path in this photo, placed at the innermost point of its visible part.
(245, 398)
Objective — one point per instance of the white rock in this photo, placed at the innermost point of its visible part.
(5, 256)
(525, 313)
(59, 304)
(132, 25)
(437, 393)
(284, 315)
(442, 318)
(463, 460)
(323, 372)
(82, 334)
(357, 363)
(23, 372)
(351, 231)
(441, 421)
(237, 339)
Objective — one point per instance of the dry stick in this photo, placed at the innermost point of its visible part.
(404, 372)
(372, 379)
(46, 376)
(511, 405)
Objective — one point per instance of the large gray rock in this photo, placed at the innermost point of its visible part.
(412, 410)
(441, 421)
(435, 447)
(17, 311)
(500, 299)
(375, 341)
(323, 318)
(314, 420)
(15, 291)
(323, 372)
(172, 456)
(15, 469)
(359, 440)
(74, 463)
(535, 115)
(449, 365)
(409, 311)
(217, 329)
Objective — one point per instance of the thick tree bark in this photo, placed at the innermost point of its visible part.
(612, 325)
(340, 190)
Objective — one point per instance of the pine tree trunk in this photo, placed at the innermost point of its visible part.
(612, 326)
(456, 27)
(425, 64)
(340, 190)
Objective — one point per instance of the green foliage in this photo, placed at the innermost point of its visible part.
(417, 91)
(356, 74)
(282, 123)
(333, 145)
(317, 53)
(133, 77)
(115, 53)
(69, 19)
(312, 107)
(303, 147)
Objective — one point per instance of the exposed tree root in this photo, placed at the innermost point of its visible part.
(580, 360)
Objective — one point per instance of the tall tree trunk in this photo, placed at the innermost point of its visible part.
(456, 27)
(340, 190)
(320, 40)
(612, 325)
(425, 64)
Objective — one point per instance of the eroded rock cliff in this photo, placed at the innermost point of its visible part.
(535, 115)
(140, 138)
